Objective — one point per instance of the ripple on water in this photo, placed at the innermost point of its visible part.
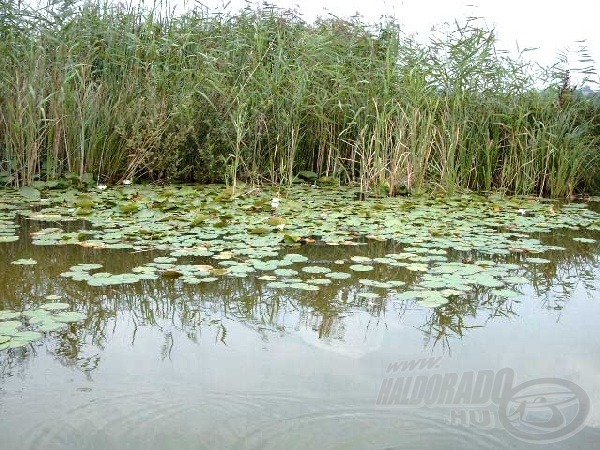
(172, 420)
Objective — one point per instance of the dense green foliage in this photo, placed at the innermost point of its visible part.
(260, 95)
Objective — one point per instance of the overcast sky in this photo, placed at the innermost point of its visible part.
(553, 27)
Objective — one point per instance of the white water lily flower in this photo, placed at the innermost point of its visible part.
(126, 181)
(101, 187)
(275, 202)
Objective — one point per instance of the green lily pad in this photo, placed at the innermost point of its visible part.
(585, 240)
(25, 262)
(55, 306)
(30, 193)
(9, 327)
(316, 269)
(537, 261)
(368, 295)
(69, 316)
(320, 281)
(338, 275)
(361, 267)
(285, 272)
(8, 315)
(361, 259)
(295, 257)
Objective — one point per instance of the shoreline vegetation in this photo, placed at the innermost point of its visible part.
(111, 92)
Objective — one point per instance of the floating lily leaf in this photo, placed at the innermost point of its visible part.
(277, 285)
(55, 306)
(368, 295)
(338, 275)
(52, 326)
(361, 267)
(6, 239)
(208, 279)
(8, 315)
(294, 257)
(375, 283)
(85, 267)
(585, 240)
(417, 267)
(25, 262)
(537, 261)
(316, 269)
(9, 327)
(164, 260)
(320, 281)
(303, 286)
(285, 272)
(23, 338)
(276, 221)
(129, 208)
(361, 259)
(69, 316)
(30, 193)
(259, 230)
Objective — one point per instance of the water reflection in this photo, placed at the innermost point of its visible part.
(204, 311)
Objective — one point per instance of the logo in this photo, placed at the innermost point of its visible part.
(541, 411)
(544, 410)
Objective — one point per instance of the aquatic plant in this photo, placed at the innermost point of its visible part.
(103, 93)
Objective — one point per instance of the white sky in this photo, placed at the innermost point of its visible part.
(552, 27)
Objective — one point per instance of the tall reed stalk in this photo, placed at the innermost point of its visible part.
(122, 91)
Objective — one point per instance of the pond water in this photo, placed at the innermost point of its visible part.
(195, 330)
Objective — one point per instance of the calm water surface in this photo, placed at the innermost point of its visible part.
(233, 364)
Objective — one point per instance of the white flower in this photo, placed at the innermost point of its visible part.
(275, 202)
(126, 181)
(101, 187)
(522, 211)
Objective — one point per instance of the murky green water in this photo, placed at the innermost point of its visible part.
(240, 362)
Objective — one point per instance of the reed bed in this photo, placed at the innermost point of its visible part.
(126, 92)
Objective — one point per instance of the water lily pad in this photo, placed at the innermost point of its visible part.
(361, 259)
(52, 326)
(361, 267)
(585, 240)
(23, 338)
(285, 272)
(25, 262)
(303, 286)
(277, 285)
(164, 259)
(316, 269)
(295, 257)
(338, 275)
(368, 295)
(417, 267)
(30, 193)
(55, 306)
(8, 315)
(9, 327)
(69, 316)
(537, 261)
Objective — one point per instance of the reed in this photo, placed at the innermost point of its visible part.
(123, 91)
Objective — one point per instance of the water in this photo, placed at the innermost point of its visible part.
(233, 364)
